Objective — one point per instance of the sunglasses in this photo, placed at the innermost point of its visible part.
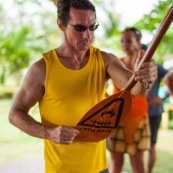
(82, 28)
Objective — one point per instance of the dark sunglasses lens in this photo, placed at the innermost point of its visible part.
(80, 28)
(93, 27)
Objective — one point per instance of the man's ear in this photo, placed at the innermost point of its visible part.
(60, 25)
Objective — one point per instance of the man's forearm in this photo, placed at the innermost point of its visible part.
(27, 124)
(138, 89)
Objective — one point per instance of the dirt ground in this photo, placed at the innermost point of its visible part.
(24, 166)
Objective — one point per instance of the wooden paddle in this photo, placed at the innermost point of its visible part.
(104, 117)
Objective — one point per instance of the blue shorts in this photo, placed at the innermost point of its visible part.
(104, 171)
(154, 127)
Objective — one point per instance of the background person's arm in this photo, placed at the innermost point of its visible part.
(168, 79)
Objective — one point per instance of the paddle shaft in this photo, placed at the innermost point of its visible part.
(153, 46)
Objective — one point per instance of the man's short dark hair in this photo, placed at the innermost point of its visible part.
(63, 8)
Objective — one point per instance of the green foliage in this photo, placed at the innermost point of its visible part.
(25, 34)
(109, 21)
(14, 49)
(151, 22)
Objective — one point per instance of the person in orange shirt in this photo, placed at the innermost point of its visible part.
(133, 135)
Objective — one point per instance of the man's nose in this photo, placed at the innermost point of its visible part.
(87, 33)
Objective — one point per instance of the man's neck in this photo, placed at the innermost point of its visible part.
(72, 59)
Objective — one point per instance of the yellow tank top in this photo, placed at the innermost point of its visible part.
(68, 95)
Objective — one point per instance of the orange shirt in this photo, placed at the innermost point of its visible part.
(139, 109)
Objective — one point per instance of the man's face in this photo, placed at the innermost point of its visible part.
(80, 40)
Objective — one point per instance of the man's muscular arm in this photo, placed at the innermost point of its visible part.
(120, 74)
(29, 94)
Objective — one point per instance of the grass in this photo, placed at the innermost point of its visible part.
(16, 145)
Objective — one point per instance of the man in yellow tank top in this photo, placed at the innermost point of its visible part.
(67, 82)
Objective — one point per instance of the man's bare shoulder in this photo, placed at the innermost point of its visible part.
(110, 58)
(37, 72)
(38, 65)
